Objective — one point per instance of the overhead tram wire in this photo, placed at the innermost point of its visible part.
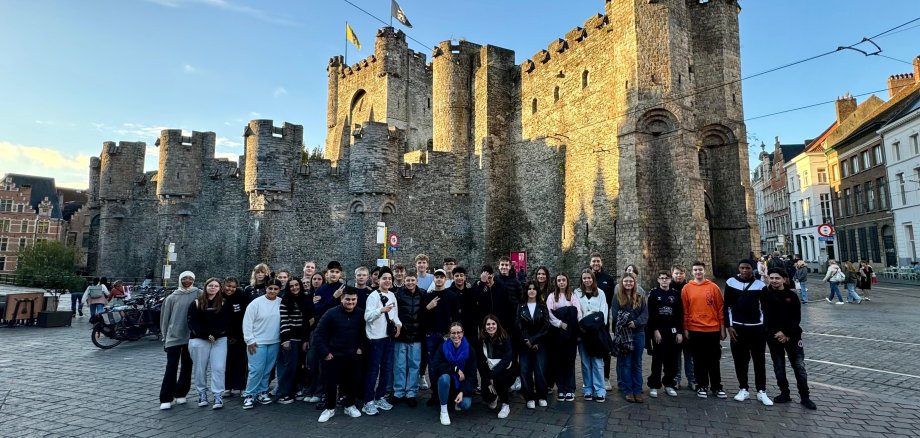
(386, 23)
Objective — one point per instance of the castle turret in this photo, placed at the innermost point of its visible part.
(333, 70)
(119, 168)
(272, 155)
(93, 192)
(181, 161)
(452, 101)
(374, 159)
(390, 49)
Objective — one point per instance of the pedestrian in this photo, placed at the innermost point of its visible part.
(866, 278)
(262, 334)
(762, 268)
(382, 325)
(95, 296)
(237, 361)
(258, 280)
(834, 276)
(852, 277)
(496, 365)
(743, 318)
(630, 316)
(801, 277)
(175, 333)
(783, 317)
(148, 278)
(685, 356)
(592, 300)
(76, 303)
(532, 326)
(408, 345)
(564, 314)
(208, 321)
(453, 369)
(339, 339)
(704, 330)
(608, 284)
(440, 308)
(508, 278)
(296, 309)
(666, 322)
(117, 294)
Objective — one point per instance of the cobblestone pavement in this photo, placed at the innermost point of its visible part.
(861, 360)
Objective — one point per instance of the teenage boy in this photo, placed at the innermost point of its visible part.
(339, 340)
(607, 284)
(421, 272)
(408, 346)
(513, 287)
(744, 295)
(381, 311)
(704, 329)
(309, 268)
(399, 276)
(328, 295)
(678, 281)
(362, 288)
(783, 317)
(494, 299)
(666, 324)
(449, 264)
(440, 308)
(469, 302)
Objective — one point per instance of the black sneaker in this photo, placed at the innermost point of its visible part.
(808, 404)
(782, 398)
(600, 399)
(701, 392)
(721, 393)
(589, 397)
(286, 400)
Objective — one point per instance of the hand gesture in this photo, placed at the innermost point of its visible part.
(433, 303)
(328, 357)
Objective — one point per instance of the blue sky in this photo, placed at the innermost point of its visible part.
(76, 73)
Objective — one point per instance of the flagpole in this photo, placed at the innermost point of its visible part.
(391, 13)
(346, 45)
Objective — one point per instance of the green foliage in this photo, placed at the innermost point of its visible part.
(48, 264)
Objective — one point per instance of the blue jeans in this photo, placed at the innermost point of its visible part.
(803, 285)
(288, 363)
(835, 290)
(851, 293)
(629, 367)
(95, 309)
(445, 383)
(408, 358)
(592, 373)
(76, 302)
(533, 373)
(379, 363)
(260, 366)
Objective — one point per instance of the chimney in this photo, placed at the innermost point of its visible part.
(846, 105)
(900, 82)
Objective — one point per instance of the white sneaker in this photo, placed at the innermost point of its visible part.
(516, 386)
(671, 391)
(653, 393)
(352, 411)
(839, 302)
(445, 419)
(505, 411)
(180, 401)
(762, 396)
(542, 403)
(828, 300)
(326, 415)
(383, 404)
(165, 406)
(370, 408)
(607, 385)
(494, 403)
(423, 383)
(531, 404)
(742, 395)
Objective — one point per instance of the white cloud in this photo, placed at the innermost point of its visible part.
(228, 155)
(228, 6)
(254, 114)
(188, 68)
(68, 170)
(45, 122)
(224, 142)
(140, 132)
(279, 91)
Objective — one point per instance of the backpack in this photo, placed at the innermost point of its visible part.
(96, 292)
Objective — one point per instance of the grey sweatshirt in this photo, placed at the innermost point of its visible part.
(174, 316)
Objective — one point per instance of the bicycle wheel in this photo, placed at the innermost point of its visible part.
(102, 341)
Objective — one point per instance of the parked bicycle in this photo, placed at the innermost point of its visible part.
(137, 318)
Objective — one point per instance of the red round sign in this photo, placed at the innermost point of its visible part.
(826, 230)
(394, 240)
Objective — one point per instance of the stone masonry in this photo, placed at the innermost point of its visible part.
(620, 137)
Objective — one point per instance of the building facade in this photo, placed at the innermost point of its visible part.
(776, 214)
(30, 211)
(810, 203)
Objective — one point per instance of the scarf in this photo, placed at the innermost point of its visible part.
(456, 357)
(623, 336)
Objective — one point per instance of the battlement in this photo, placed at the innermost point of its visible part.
(181, 162)
(120, 165)
(373, 159)
(272, 153)
(571, 40)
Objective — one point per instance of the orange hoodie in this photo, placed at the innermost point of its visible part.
(702, 306)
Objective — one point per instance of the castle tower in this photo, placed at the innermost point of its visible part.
(374, 159)
(452, 101)
(182, 159)
(333, 70)
(272, 155)
(120, 166)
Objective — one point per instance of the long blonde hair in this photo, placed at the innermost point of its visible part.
(633, 298)
(261, 267)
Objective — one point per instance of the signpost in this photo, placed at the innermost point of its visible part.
(826, 230)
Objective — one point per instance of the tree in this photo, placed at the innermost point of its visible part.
(48, 264)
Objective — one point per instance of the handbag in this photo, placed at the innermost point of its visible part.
(838, 277)
(391, 326)
(874, 278)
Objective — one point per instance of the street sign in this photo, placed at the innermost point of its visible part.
(394, 240)
(381, 233)
(826, 239)
(167, 270)
(826, 230)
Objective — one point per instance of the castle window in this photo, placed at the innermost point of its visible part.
(584, 79)
(556, 94)
(429, 103)
(533, 106)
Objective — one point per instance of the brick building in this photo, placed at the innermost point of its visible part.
(777, 235)
(471, 155)
(30, 210)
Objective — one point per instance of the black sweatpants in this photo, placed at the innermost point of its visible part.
(706, 355)
(237, 366)
(342, 372)
(750, 343)
(172, 388)
(664, 355)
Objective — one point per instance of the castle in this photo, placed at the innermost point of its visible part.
(625, 137)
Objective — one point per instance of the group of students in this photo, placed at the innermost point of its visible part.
(375, 343)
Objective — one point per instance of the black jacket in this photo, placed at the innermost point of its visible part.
(665, 311)
(607, 284)
(438, 319)
(595, 335)
(340, 333)
(210, 322)
(439, 366)
(495, 350)
(568, 315)
(296, 312)
(534, 328)
(783, 312)
(513, 286)
(409, 306)
(469, 307)
(744, 301)
(237, 304)
(496, 300)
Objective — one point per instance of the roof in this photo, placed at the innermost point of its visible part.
(790, 151)
(815, 145)
(887, 112)
(41, 187)
(72, 200)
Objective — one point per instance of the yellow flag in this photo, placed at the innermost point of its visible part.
(351, 37)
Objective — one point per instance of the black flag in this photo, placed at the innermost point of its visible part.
(398, 13)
